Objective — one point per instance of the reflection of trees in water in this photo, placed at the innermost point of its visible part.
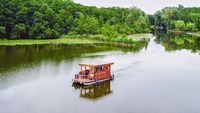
(16, 57)
(179, 42)
(95, 91)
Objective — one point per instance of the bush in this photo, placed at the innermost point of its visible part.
(113, 39)
(119, 40)
(190, 27)
(72, 33)
(124, 36)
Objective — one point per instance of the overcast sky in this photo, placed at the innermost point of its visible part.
(149, 6)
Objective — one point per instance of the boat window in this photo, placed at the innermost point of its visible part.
(99, 69)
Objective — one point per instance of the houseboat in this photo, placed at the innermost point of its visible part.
(93, 74)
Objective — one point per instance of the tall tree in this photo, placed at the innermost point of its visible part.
(2, 32)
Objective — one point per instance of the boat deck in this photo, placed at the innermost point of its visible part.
(81, 80)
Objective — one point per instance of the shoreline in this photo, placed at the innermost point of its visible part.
(179, 32)
(197, 34)
(75, 40)
(45, 42)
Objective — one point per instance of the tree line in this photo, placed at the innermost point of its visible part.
(47, 19)
(177, 18)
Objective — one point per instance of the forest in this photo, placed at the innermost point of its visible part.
(48, 19)
(177, 18)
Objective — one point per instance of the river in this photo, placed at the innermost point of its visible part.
(162, 76)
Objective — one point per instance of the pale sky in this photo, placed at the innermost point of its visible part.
(149, 6)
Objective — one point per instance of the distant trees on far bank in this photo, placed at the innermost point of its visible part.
(47, 19)
(178, 18)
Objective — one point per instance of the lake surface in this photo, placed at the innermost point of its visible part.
(162, 76)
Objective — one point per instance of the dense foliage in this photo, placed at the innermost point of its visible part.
(178, 18)
(46, 19)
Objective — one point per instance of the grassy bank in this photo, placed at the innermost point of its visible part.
(79, 39)
(49, 41)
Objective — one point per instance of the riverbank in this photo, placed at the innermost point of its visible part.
(194, 34)
(79, 39)
(47, 41)
(175, 32)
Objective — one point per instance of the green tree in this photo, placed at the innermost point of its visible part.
(167, 16)
(91, 25)
(179, 25)
(87, 25)
(109, 31)
(191, 27)
(64, 21)
(51, 33)
(142, 25)
(80, 23)
(195, 17)
(2, 32)
(106, 29)
(19, 31)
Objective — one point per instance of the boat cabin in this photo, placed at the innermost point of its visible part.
(91, 73)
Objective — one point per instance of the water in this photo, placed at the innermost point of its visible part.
(160, 77)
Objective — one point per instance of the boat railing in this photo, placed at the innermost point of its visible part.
(80, 76)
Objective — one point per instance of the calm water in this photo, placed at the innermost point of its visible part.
(162, 76)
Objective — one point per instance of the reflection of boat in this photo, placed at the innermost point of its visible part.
(94, 91)
(93, 74)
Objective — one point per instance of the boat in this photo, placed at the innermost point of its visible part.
(93, 74)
